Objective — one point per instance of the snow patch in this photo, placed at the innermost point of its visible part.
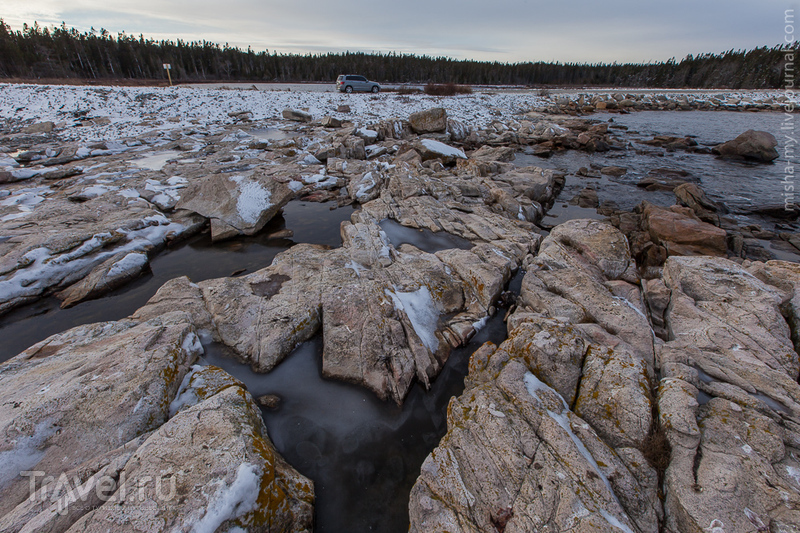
(133, 262)
(253, 200)
(443, 149)
(231, 501)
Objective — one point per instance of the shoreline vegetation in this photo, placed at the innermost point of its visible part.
(65, 54)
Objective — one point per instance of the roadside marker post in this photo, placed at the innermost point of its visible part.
(168, 67)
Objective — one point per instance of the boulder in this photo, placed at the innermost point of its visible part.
(236, 204)
(515, 458)
(431, 149)
(297, 115)
(752, 145)
(39, 127)
(693, 197)
(429, 121)
(111, 382)
(331, 122)
(681, 232)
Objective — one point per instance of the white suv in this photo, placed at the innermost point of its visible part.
(349, 84)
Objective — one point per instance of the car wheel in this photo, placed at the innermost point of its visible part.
(348, 89)
(376, 89)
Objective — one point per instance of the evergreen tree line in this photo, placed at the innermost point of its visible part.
(61, 52)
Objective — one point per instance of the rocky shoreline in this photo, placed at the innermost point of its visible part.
(648, 382)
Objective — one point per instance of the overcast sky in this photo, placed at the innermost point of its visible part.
(496, 30)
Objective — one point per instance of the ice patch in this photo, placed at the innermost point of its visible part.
(295, 186)
(614, 521)
(253, 200)
(357, 268)
(155, 161)
(421, 312)
(366, 186)
(480, 324)
(231, 501)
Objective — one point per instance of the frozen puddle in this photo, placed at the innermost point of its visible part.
(155, 161)
(424, 239)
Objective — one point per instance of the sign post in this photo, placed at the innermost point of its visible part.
(168, 67)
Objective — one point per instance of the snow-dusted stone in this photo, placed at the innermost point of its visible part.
(115, 272)
(428, 121)
(297, 115)
(366, 187)
(432, 149)
(243, 202)
(249, 484)
(516, 459)
(85, 392)
(61, 242)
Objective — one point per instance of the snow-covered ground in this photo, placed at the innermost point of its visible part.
(133, 111)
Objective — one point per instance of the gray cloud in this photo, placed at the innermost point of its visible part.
(506, 30)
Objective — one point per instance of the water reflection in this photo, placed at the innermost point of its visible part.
(362, 454)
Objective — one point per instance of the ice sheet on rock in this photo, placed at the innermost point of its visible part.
(421, 312)
(155, 161)
(94, 191)
(187, 395)
(368, 183)
(535, 386)
(45, 271)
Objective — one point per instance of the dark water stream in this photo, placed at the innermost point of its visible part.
(363, 454)
(197, 258)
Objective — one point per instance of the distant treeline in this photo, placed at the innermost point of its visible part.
(61, 52)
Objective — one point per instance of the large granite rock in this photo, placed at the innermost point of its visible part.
(753, 145)
(729, 396)
(388, 315)
(236, 204)
(61, 242)
(550, 431)
(516, 459)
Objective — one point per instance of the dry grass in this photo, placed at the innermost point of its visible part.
(447, 89)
